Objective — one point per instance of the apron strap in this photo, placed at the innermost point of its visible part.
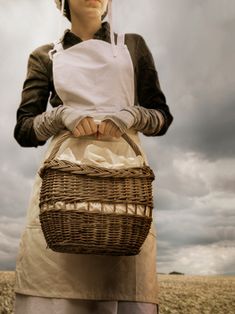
(121, 40)
(57, 46)
(110, 17)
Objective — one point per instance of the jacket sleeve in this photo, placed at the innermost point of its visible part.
(150, 95)
(34, 99)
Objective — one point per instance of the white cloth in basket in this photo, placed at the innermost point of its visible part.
(103, 157)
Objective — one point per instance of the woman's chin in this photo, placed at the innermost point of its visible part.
(93, 12)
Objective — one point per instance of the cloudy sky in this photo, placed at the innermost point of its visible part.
(193, 48)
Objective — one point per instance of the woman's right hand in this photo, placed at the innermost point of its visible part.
(86, 126)
(77, 123)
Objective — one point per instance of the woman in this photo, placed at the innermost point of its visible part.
(91, 73)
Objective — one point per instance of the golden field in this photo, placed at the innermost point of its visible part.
(197, 294)
(178, 294)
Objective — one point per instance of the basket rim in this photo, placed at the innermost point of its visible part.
(92, 170)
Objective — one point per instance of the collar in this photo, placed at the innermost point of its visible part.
(69, 39)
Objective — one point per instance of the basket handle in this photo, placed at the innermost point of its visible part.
(68, 134)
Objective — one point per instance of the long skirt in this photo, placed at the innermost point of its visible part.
(25, 304)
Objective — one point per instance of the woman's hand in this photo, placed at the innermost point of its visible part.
(86, 126)
(109, 128)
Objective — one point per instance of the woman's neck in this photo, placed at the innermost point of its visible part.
(85, 29)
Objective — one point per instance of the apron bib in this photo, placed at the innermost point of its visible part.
(95, 80)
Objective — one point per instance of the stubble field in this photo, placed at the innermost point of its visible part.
(178, 294)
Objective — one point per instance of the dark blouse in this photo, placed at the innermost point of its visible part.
(38, 87)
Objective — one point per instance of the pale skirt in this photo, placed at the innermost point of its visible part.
(25, 304)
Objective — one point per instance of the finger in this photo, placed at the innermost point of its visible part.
(101, 127)
(93, 125)
(118, 133)
(86, 126)
(76, 132)
(107, 128)
(99, 136)
(113, 130)
(80, 129)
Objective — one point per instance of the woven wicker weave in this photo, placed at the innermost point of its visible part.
(87, 232)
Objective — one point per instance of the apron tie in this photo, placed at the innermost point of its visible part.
(62, 7)
(62, 15)
(110, 17)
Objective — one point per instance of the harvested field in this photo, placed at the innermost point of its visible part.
(7, 279)
(197, 294)
(178, 294)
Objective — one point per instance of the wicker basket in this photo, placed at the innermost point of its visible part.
(94, 232)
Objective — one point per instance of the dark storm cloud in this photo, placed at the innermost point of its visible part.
(17, 167)
(208, 130)
(196, 72)
(10, 231)
(202, 232)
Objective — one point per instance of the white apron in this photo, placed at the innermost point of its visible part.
(89, 77)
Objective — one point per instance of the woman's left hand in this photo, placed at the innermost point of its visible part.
(108, 128)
